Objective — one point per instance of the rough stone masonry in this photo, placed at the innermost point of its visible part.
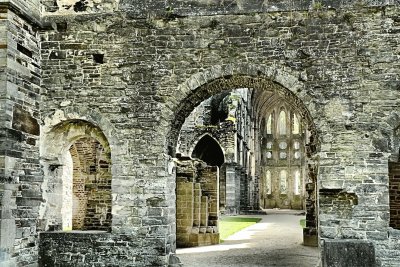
(127, 73)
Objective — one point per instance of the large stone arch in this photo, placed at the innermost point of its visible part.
(283, 82)
(202, 85)
(201, 136)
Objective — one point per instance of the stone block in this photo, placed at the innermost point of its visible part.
(348, 253)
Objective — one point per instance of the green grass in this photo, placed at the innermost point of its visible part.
(230, 225)
(303, 223)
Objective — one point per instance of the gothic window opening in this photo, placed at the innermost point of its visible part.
(296, 125)
(208, 150)
(269, 124)
(283, 151)
(282, 123)
(268, 184)
(283, 182)
(297, 183)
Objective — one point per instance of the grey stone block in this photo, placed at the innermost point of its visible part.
(348, 253)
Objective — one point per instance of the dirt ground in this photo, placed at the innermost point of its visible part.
(275, 241)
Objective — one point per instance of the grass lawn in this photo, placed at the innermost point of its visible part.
(230, 225)
(303, 223)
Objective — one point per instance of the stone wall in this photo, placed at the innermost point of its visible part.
(177, 8)
(80, 248)
(394, 194)
(20, 172)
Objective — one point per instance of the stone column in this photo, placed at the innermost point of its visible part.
(231, 189)
(184, 212)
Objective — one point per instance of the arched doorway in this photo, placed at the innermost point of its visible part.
(76, 158)
(209, 151)
(260, 88)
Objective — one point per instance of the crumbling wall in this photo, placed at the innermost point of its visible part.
(70, 7)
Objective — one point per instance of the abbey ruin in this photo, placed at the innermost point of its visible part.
(129, 126)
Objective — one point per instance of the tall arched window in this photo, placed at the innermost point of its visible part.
(283, 181)
(297, 183)
(269, 124)
(282, 123)
(296, 125)
(268, 183)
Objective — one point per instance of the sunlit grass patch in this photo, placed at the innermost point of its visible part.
(230, 225)
(303, 223)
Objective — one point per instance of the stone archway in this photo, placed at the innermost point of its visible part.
(208, 150)
(261, 80)
(76, 159)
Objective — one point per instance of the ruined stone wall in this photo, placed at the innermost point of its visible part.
(28, 9)
(197, 199)
(96, 247)
(342, 64)
(21, 175)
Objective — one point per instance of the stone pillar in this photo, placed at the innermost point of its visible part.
(231, 189)
(244, 190)
(204, 212)
(394, 194)
(196, 205)
(222, 188)
(209, 181)
(310, 234)
(20, 172)
(184, 212)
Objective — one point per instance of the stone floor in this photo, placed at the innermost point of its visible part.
(275, 241)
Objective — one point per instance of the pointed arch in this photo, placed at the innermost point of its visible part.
(209, 150)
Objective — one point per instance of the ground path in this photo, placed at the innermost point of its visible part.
(275, 241)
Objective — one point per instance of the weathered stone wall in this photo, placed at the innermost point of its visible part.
(20, 172)
(96, 247)
(175, 8)
(394, 194)
(27, 9)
